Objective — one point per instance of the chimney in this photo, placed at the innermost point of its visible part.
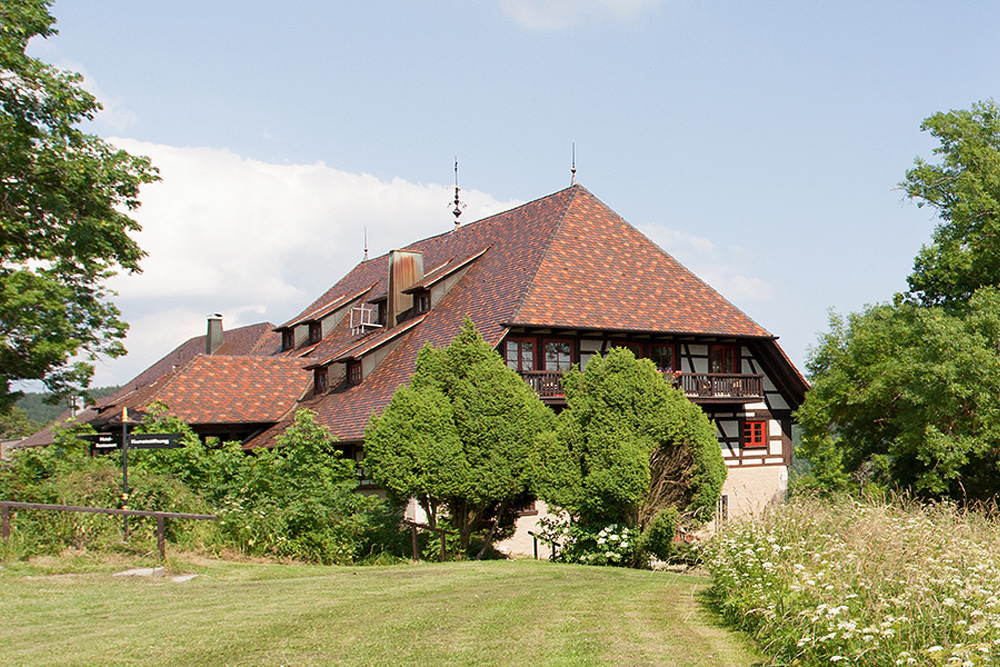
(406, 268)
(215, 336)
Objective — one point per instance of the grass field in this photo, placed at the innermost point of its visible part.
(471, 613)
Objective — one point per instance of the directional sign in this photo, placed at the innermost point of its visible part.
(154, 440)
(103, 440)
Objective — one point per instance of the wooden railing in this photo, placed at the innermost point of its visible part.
(547, 384)
(721, 385)
(161, 542)
(704, 386)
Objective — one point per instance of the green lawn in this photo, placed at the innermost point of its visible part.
(487, 613)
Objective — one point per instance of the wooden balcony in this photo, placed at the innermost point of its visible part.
(699, 387)
(721, 387)
(547, 384)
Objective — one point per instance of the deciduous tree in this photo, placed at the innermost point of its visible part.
(910, 394)
(64, 224)
(964, 191)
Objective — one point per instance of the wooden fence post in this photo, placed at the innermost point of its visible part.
(161, 540)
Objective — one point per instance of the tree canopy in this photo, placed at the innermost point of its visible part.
(64, 227)
(964, 191)
(908, 396)
(459, 436)
(907, 392)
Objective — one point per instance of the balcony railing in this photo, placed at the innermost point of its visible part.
(718, 387)
(547, 384)
(721, 386)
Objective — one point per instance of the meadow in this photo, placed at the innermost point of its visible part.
(73, 611)
(863, 583)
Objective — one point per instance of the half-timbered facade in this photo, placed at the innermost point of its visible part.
(549, 284)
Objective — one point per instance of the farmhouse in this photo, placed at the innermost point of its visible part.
(549, 284)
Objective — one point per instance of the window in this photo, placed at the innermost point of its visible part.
(320, 380)
(664, 356)
(287, 339)
(315, 332)
(635, 347)
(520, 354)
(724, 359)
(422, 302)
(558, 355)
(354, 374)
(380, 312)
(755, 434)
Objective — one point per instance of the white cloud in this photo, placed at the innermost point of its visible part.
(552, 15)
(257, 241)
(722, 268)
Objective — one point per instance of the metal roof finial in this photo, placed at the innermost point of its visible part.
(457, 211)
(572, 171)
(366, 244)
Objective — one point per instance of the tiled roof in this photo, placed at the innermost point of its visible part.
(600, 272)
(252, 340)
(221, 389)
(565, 261)
(326, 309)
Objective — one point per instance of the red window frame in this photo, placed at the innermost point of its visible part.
(674, 365)
(514, 353)
(321, 378)
(724, 359)
(422, 302)
(354, 372)
(557, 364)
(754, 434)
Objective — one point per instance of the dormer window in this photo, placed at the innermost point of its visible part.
(380, 308)
(422, 302)
(315, 332)
(321, 379)
(354, 372)
(287, 339)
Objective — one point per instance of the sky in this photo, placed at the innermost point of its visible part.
(760, 144)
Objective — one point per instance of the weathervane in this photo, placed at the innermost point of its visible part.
(457, 211)
(572, 171)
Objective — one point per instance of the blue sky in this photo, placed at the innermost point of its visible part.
(759, 143)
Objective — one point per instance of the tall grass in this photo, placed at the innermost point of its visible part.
(864, 583)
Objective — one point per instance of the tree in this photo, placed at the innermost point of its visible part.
(459, 436)
(964, 190)
(628, 446)
(909, 394)
(64, 229)
(15, 424)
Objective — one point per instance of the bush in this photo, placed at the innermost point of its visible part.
(658, 540)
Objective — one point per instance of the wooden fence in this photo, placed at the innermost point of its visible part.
(6, 505)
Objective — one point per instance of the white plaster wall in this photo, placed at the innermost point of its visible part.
(752, 489)
(521, 544)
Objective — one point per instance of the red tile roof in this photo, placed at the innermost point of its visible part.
(221, 390)
(564, 261)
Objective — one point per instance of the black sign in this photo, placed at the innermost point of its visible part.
(154, 440)
(103, 440)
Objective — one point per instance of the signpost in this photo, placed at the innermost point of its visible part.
(109, 441)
